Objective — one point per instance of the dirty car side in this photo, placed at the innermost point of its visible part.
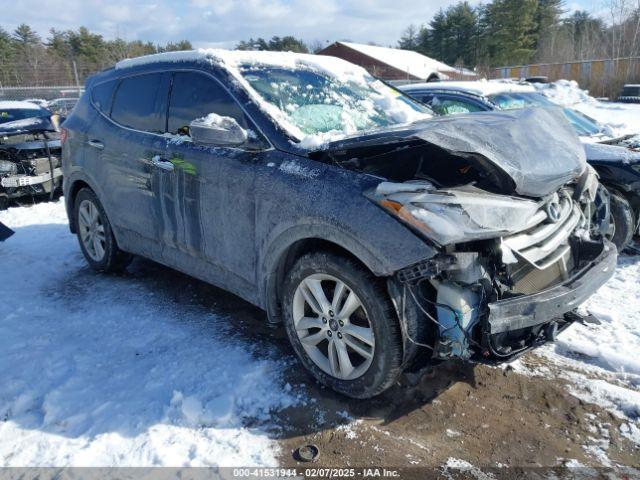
(487, 240)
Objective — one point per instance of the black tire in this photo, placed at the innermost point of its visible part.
(386, 365)
(114, 260)
(4, 202)
(623, 220)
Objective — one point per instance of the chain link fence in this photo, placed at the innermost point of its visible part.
(44, 93)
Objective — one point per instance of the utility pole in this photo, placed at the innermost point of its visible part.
(75, 74)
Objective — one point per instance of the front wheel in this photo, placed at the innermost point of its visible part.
(342, 325)
(95, 236)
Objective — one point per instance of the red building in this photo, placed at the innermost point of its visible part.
(394, 64)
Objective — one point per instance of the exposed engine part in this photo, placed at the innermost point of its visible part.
(30, 165)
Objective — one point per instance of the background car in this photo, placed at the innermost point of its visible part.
(630, 94)
(619, 167)
(62, 106)
(29, 152)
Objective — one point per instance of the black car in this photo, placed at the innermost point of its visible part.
(378, 235)
(617, 160)
(29, 152)
(630, 94)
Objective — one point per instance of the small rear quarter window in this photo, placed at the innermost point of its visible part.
(102, 95)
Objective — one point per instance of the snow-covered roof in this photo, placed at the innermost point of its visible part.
(15, 104)
(234, 60)
(413, 63)
(481, 87)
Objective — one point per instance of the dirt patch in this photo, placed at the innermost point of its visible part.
(489, 417)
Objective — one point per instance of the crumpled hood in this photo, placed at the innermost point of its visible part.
(536, 147)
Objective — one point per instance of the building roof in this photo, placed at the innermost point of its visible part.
(414, 63)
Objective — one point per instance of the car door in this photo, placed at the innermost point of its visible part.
(207, 202)
(130, 146)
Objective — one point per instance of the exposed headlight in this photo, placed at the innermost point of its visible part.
(7, 167)
(454, 215)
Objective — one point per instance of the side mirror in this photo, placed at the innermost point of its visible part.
(217, 130)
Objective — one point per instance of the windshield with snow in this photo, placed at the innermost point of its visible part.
(583, 125)
(318, 104)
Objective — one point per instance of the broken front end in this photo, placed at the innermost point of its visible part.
(30, 164)
(521, 223)
(512, 271)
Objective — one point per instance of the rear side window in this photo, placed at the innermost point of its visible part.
(102, 94)
(195, 95)
(140, 102)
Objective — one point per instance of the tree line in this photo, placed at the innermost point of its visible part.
(515, 32)
(26, 59)
(497, 33)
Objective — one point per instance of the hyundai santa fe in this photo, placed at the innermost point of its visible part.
(379, 236)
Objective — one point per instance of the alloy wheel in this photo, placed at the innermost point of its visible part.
(91, 230)
(333, 326)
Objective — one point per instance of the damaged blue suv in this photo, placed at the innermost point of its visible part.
(378, 235)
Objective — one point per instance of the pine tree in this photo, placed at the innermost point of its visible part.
(409, 39)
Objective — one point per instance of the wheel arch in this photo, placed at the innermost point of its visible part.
(71, 201)
(289, 248)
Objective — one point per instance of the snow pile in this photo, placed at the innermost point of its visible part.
(352, 119)
(618, 118)
(98, 370)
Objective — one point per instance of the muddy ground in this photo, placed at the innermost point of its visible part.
(491, 417)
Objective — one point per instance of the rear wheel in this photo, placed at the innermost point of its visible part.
(341, 323)
(623, 220)
(95, 235)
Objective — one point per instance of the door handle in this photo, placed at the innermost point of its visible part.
(158, 161)
(96, 144)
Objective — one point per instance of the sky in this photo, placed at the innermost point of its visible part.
(223, 23)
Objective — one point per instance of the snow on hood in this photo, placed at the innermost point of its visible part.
(536, 147)
(233, 60)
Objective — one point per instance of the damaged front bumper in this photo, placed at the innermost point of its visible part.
(512, 326)
(490, 329)
(538, 308)
(17, 181)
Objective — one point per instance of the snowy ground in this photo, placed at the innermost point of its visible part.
(602, 361)
(99, 371)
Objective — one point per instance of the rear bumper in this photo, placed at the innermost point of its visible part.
(539, 308)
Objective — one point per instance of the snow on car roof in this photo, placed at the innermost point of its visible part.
(16, 104)
(233, 60)
(481, 87)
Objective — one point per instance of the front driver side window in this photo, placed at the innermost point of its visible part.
(195, 95)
